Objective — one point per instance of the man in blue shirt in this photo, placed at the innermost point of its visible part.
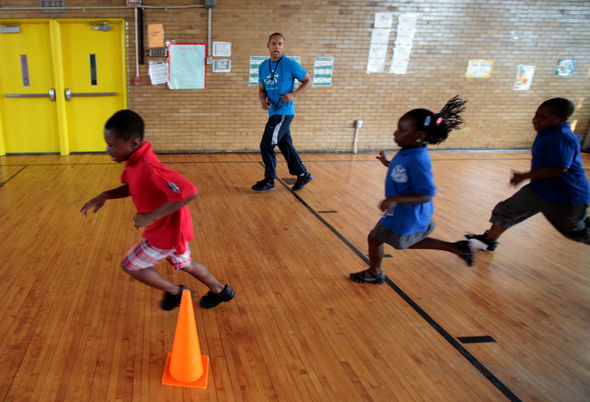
(276, 94)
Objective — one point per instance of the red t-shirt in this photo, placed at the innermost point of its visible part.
(151, 185)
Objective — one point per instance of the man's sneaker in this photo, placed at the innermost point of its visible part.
(171, 301)
(213, 299)
(302, 181)
(264, 185)
(481, 242)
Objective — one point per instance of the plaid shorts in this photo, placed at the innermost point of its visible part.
(143, 255)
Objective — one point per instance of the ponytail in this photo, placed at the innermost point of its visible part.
(438, 125)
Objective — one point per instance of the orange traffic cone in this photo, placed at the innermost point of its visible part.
(185, 366)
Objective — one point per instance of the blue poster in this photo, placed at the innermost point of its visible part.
(187, 63)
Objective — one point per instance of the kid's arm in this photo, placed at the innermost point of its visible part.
(541, 173)
(142, 220)
(383, 159)
(97, 202)
(411, 199)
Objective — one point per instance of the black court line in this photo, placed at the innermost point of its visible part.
(122, 164)
(433, 159)
(476, 339)
(162, 156)
(13, 176)
(327, 212)
(436, 326)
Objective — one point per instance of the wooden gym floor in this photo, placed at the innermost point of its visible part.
(75, 327)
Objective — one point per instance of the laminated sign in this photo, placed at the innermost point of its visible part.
(187, 68)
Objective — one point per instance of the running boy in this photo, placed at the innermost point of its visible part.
(161, 196)
(558, 185)
(409, 188)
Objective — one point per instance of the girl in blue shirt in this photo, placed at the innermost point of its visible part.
(409, 188)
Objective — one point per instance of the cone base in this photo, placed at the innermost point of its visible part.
(201, 382)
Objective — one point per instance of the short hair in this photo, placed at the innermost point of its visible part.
(438, 125)
(276, 34)
(126, 124)
(561, 106)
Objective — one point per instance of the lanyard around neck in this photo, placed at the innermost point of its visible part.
(272, 72)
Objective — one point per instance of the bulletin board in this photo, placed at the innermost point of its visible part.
(187, 65)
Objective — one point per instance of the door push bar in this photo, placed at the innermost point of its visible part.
(69, 94)
(50, 95)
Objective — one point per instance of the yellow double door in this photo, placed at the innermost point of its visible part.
(60, 80)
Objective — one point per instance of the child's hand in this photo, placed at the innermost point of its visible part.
(387, 204)
(142, 220)
(518, 177)
(381, 157)
(95, 204)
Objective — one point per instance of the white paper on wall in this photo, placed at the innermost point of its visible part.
(221, 49)
(378, 50)
(221, 65)
(383, 20)
(404, 40)
(158, 72)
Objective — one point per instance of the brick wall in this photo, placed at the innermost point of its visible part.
(226, 116)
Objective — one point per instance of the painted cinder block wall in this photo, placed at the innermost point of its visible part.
(227, 117)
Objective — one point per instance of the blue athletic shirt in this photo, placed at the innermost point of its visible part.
(560, 147)
(281, 83)
(410, 171)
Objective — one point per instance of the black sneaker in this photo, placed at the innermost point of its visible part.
(213, 299)
(170, 301)
(481, 242)
(264, 185)
(302, 181)
(466, 251)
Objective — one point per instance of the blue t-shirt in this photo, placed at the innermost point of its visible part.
(410, 171)
(280, 83)
(560, 147)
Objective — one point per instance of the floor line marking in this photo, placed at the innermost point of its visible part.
(13, 176)
(464, 352)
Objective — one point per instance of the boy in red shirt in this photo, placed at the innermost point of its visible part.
(160, 196)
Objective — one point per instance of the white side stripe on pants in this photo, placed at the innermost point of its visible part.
(275, 133)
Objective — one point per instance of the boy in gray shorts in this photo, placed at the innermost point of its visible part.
(558, 185)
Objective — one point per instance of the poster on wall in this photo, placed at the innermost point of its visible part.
(221, 49)
(378, 50)
(565, 67)
(155, 35)
(383, 20)
(404, 40)
(255, 62)
(323, 68)
(158, 72)
(187, 69)
(524, 78)
(222, 66)
(479, 68)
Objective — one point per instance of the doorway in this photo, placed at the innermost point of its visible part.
(60, 80)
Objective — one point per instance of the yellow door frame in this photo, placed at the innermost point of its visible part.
(58, 76)
(2, 148)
